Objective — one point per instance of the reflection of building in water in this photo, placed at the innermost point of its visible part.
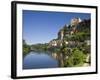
(54, 55)
(60, 58)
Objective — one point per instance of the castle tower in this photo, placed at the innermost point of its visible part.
(75, 21)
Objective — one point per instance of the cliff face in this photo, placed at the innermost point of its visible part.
(77, 32)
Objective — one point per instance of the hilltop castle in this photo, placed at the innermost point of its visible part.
(75, 21)
(67, 31)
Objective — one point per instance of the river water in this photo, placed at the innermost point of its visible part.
(38, 60)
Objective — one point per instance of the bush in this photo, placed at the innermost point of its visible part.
(76, 59)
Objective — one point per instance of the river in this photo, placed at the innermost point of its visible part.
(36, 60)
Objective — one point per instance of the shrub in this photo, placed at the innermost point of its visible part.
(76, 59)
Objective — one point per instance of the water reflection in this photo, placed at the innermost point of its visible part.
(60, 58)
(35, 60)
(43, 60)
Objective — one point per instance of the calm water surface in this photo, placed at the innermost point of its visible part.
(39, 60)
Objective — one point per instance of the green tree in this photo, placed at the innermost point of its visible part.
(26, 47)
(76, 59)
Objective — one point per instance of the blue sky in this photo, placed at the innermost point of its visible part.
(43, 26)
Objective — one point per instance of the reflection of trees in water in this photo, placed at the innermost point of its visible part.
(60, 58)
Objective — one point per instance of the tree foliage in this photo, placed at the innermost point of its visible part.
(76, 59)
(26, 47)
